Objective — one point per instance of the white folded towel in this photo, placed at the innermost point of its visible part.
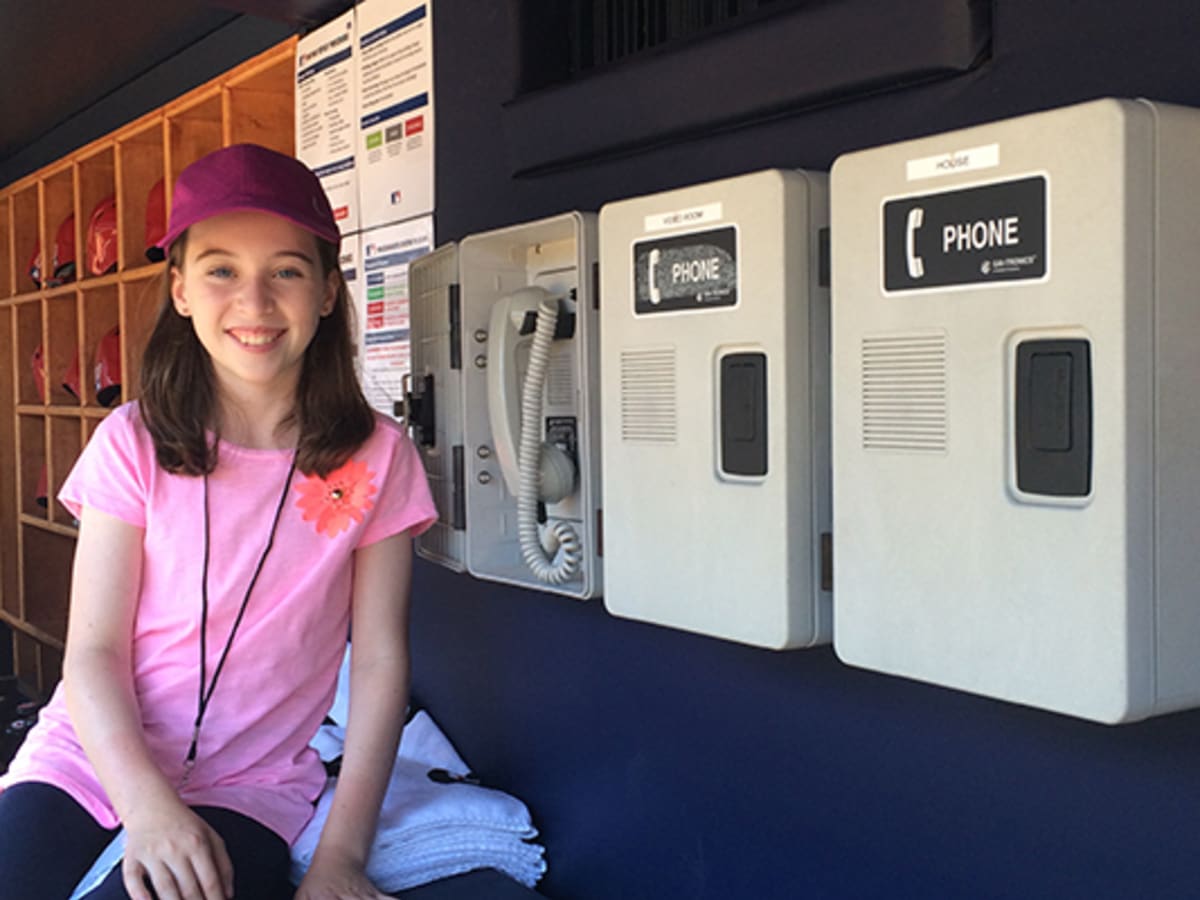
(434, 829)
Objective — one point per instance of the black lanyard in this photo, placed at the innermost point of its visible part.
(205, 696)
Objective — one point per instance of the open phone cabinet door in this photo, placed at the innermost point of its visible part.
(527, 320)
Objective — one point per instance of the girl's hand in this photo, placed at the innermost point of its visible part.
(337, 879)
(178, 853)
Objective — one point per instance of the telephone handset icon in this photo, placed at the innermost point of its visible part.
(916, 266)
(651, 276)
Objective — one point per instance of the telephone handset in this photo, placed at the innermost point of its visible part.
(534, 470)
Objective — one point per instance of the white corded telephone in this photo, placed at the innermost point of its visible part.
(535, 470)
(506, 341)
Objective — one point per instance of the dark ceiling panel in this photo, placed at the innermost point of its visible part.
(303, 14)
(72, 54)
(64, 56)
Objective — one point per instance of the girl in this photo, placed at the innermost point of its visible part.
(233, 522)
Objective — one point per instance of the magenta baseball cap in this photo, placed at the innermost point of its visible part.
(247, 176)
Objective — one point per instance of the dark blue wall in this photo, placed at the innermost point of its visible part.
(664, 765)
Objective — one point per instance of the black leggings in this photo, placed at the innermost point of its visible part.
(48, 842)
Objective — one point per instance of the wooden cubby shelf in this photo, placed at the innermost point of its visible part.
(48, 415)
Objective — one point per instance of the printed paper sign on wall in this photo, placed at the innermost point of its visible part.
(395, 90)
(327, 114)
(384, 313)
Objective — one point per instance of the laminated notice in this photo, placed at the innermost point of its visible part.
(686, 272)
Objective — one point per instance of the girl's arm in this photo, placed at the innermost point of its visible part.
(379, 675)
(167, 842)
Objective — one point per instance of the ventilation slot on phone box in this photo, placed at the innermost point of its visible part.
(904, 392)
(648, 410)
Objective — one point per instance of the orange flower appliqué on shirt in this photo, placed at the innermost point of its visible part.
(337, 500)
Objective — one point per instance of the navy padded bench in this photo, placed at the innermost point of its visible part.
(484, 884)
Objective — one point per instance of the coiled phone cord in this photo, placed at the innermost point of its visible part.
(562, 562)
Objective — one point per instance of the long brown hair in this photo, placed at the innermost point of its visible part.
(178, 388)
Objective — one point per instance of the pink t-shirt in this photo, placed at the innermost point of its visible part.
(279, 679)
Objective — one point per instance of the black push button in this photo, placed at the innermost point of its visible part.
(1054, 417)
(1050, 411)
(743, 402)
